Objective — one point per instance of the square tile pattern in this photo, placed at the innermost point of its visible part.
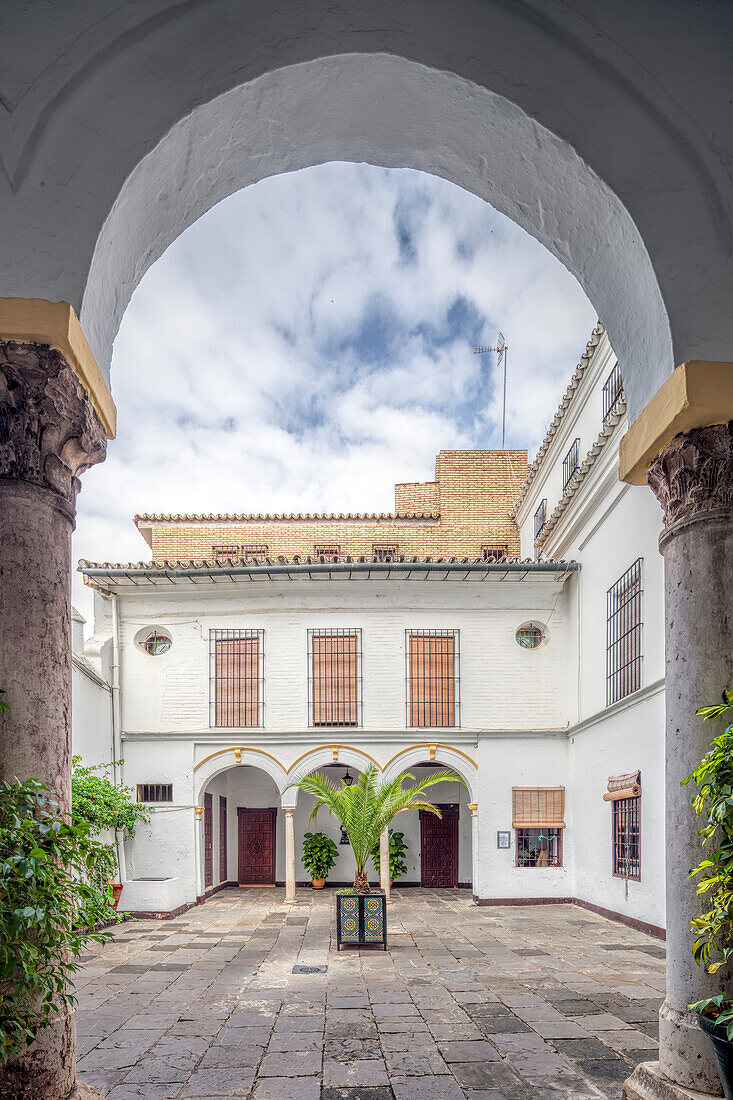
(468, 1003)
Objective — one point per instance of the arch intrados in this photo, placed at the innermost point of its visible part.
(385, 110)
(223, 760)
(445, 756)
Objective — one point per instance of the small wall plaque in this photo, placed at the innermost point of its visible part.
(503, 840)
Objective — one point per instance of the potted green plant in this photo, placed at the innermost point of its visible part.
(713, 946)
(365, 810)
(397, 849)
(319, 855)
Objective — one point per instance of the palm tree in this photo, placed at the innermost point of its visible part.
(366, 808)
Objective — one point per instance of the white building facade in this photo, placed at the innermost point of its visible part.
(537, 682)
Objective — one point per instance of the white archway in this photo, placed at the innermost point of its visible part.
(223, 759)
(321, 755)
(455, 759)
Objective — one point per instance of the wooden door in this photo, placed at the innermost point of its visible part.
(256, 862)
(223, 872)
(439, 848)
(208, 840)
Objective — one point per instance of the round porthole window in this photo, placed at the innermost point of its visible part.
(531, 635)
(154, 641)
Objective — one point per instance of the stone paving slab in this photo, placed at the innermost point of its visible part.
(468, 1003)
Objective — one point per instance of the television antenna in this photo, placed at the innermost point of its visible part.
(501, 350)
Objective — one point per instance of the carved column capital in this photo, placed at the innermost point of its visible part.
(694, 474)
(49, 430)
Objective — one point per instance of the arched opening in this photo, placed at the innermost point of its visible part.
(439, 850)
(342, 874)
(243, 830)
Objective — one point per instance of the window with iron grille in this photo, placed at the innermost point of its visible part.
(498, 551)
(570, 464)
(385, 551)
(327, 549)
(155, 792)
(538, 847)
(627, 838)
(540, 517)
(225, 553)
(538, 818)
(334, 677)
(254, 551)
(433, 677)
(236, 678)
(613, 392)
(623, 635)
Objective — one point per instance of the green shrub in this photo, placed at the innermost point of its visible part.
(48, 909)
(97, 802)
(713, 946)
(397, 849)
(319, 854)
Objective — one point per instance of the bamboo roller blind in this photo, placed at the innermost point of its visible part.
(237, 681)
(335, 682)
(536, 806)
(432, 679)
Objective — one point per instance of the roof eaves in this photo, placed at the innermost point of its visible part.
(289, 517)
(582, 367)
(582, 472)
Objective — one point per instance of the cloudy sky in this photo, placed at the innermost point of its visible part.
(308, 342)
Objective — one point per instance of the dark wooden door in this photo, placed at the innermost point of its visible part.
(223, 873)
(439, 848)
(256, 861)
(208, 840)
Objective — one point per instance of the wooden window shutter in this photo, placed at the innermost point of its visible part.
(432, 679)
(335, 679)
(237, 681)
(533, 807)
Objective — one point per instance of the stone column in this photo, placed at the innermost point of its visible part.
(693, 480)
(49, 434)
(384, 863)
(473, 807)
(290, 891)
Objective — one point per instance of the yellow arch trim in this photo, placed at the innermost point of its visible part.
(429, 745)
(239, 748)
(319, 748)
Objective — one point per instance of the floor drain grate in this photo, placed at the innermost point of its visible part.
(309, 970)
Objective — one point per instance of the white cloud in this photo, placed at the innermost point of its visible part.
(307, 343)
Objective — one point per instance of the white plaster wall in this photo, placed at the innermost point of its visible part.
(91, 719)
(506, 762)
(630, 738)
(170, 692)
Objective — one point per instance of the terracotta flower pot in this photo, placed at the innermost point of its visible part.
(319, 883)
(116, 892)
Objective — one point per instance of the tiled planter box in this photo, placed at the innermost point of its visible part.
(361, 919)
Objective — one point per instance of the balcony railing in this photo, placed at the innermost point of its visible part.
(613, 392)
(570, 464)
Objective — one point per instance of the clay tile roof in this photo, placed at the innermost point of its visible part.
(585, 361)
(284, 517)
(262, 564)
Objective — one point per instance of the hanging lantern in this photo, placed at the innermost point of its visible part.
(347, 780)
(344, 836)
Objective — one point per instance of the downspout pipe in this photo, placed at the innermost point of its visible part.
(116, 728)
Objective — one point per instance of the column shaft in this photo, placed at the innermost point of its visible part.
(693, 479)
(290, 891)
(49, 433)
(384, 863)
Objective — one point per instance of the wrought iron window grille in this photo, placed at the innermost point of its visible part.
(254, 551)
(613, 393)
(155, 792)
(540, 517)
(223, 554)
(237, 678)
(624, 635)
(495, 552)
(432, 678)
(334, 677)
(326, 550)
(627, 838)
(385, 552)
(570, 464)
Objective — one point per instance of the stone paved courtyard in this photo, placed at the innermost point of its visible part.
(487, 1003)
